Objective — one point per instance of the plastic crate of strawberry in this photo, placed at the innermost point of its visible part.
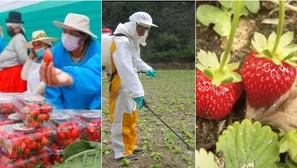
(35, 109)
(67, 126)
(6, 119)
(8, 103)
(40, 158)
(18, 141)
(92, 132)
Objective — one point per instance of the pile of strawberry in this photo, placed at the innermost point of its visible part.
(24, 147)
(7, 105)
(40, 158)
(36, 110)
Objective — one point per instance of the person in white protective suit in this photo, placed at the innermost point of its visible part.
(126, 91)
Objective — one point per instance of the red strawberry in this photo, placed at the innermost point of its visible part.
(46, 108)
(264, 81)
(47, 57)
(215, 102)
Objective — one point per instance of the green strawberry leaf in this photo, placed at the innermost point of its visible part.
(204, 159)
(226, 4)
(208, 14)
(252, 6)
(246, 144)
(223, 25)
(288, 144)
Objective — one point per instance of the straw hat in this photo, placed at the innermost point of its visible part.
(40, 35)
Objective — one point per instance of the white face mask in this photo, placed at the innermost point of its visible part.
(70, 42)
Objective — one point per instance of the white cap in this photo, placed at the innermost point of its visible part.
(143, 19)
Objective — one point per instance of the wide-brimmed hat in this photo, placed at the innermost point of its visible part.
(76, 22)
(14, 17)
(40, 35)
(143, 19)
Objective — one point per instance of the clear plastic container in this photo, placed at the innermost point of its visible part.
(92, 132)
(67, 126)
(20, 141)
(40, 158)
(35, 109)
(9, 119)
(7, 103)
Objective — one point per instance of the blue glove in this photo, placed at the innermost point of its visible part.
(139, 101)
(151, 73)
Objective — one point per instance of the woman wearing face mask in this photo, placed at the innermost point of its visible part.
(13, 56)
(30, 71)
(76, 49)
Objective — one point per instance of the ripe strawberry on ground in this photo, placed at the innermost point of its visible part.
(216, 91)
(266, 75)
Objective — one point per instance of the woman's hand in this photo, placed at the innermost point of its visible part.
(52, 76)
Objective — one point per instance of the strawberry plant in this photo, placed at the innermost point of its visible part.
(204, 159)
(269, 71)
(156, 156)
(218, 84)
(221, 17)
(124, 162)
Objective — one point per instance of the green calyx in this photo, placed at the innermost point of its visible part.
(277, 47)
(285, 51)
(209, 64)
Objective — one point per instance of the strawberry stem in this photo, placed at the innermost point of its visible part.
(236, 17)
(281, 19)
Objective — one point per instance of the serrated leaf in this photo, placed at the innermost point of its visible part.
(271, 41)
(207, 14)
(247, 143)
(76, 148)
(267, 53)
(288, 144)
(286, 39)
(204, 159)
(252, 6)
(208, 73)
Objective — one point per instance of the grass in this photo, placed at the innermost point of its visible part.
(171, 96)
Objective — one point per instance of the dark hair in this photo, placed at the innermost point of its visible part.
(23, 33)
